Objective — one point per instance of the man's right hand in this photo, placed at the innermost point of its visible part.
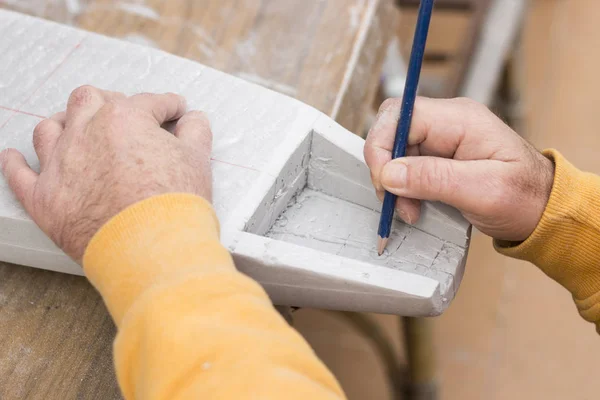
(461, 154)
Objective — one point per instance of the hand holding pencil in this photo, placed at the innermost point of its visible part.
(499, 182)
(461, 154)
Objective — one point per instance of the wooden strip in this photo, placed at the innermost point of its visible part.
(457, 79)
(500, 30)
(361, 83)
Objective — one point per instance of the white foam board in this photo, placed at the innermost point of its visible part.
(291, 187)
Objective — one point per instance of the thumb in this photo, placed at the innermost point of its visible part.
(194, 129)
(20, 178)
(461, 184)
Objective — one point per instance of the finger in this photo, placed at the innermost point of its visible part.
(84, 102)
(457, 128)
(413, 151)
(380, 139)
(377, 157)
(466, 185)
(61, 118)
(194, 129)
(451, 128)
(113, 96)
(162, 107)
(20, 177)
(436, 125)
(409, 210)
(380, 195)
(45, 136)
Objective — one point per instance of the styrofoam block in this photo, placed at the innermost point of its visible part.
(270, 154)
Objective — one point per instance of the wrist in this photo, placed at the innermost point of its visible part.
(563, 244)
(542, 191)
(150, 242)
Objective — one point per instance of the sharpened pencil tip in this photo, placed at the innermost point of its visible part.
(381, 243)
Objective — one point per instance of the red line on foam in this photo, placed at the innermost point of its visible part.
(23, 112)
(16, 110)
(50, 75)
(235, 165)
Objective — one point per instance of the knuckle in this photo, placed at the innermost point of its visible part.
(145, 95)
(390, 103)
(474, 114)
(464, 101)
(174, 98)
(82, 95)
(199, 120)
(41, 128)
(470, 105)
(113, 116)
(157, 114)
(111, 111)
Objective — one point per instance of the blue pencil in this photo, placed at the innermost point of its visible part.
(406, 111)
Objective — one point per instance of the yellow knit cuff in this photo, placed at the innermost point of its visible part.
(150, 241)
(590, 309)
(565, 242)
(556, 211)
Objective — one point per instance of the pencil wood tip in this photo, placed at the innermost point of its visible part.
(381, 243)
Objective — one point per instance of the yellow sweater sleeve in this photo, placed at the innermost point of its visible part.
(566, 242)
(190, 326)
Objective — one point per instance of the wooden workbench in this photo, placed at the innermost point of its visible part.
(55, 333)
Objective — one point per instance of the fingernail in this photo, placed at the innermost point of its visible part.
(394, 175)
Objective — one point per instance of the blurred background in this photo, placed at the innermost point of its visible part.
(511, 333)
